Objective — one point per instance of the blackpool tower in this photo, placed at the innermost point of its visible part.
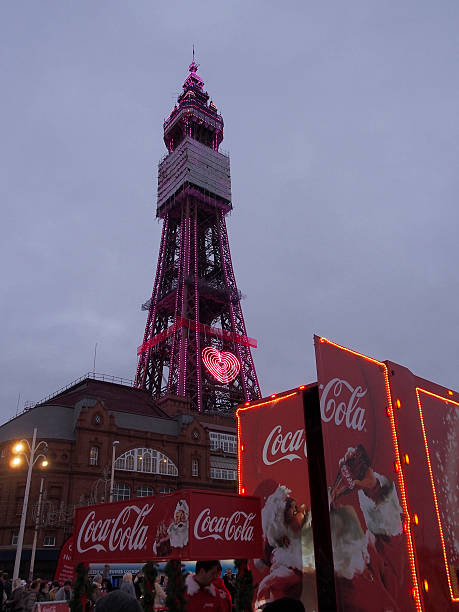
(195, 343)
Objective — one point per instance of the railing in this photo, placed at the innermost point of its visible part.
(93, 375)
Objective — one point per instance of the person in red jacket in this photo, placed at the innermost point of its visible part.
(225, 596)
(201, 594)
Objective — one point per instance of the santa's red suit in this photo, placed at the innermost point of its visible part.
(369, 564)
(202, 599)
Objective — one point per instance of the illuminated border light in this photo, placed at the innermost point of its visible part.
(432, 482)
(240, 446)
(397, 467)
(415, 519)
(426, 586)
(224, 366)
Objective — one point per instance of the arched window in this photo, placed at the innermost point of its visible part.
(147, 460)
(144, 491)
(94, 455)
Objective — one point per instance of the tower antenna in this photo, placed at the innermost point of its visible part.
(193, 53)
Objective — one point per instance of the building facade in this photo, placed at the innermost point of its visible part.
(159, 447)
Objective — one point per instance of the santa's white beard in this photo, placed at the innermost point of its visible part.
(350, 544)
(178, 534)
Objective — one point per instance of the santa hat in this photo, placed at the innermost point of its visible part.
(182, 506)
(272, 516)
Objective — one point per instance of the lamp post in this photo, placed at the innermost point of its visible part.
(31, 453)
(112, 479)
(35, 534)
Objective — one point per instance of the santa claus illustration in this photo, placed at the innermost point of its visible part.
(178, 529)
(288, 546)
(367, 559)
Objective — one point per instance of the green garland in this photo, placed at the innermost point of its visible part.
(81, 588)
(175, 600)
(243, 589)
(147, 586)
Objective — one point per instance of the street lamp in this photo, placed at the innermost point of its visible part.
(31, 453)
(112, 479)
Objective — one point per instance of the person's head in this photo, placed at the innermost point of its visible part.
(98, 579)
(229, 572)
(17, 582)
(127, 577)
(44, 586)
(286, 604)
(117, 601)
(68, 585)
(56, 585)
(35, 585)
(206, 572)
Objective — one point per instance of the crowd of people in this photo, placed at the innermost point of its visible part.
(205, 589)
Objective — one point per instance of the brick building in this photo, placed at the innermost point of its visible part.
(162, 446)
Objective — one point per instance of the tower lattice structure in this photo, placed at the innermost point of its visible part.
(195, 343)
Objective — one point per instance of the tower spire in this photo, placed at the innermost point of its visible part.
(195, 343)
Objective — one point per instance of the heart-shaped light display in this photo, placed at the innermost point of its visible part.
(223, 366)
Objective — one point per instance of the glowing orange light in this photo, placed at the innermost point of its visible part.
(406, 458)
(247, 404)
(388, 411)
(302, 387)
(450, 392)
(18, 448)
(44, 463)
(415, 519)
(398, 403)
(401, 478)
(273, 395)
(432, 482)
(243, 491)
(242, 447)
(426, 585)
(15, 462)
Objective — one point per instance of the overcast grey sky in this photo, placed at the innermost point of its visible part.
(341, 119)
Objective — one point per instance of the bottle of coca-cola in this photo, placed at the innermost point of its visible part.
(353, 466)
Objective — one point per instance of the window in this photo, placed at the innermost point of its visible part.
(146, 460)
(222, 474)
(19, 506)
(14, 539)
(226, 442)
(94, 455)
(144, 491)
(166, 490)
(195, 467)
(121, 491)
(49, 541)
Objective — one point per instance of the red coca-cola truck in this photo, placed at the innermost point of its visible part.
(358, 479)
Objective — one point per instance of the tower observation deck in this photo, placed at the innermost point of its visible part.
(195, 343)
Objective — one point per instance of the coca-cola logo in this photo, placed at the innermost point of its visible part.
(236, 527)
(280, 446)
(114, 533)
(340, 403)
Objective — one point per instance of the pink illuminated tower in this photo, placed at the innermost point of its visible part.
(195, 343)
